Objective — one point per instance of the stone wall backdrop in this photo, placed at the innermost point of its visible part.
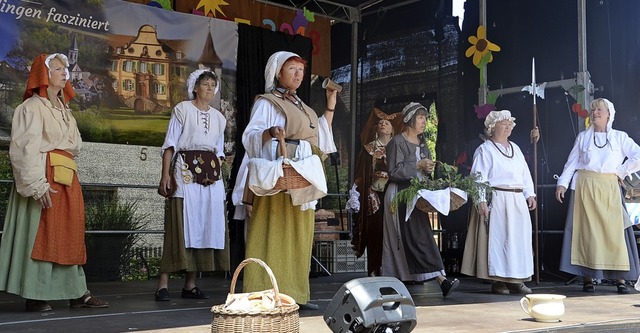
(132, 173)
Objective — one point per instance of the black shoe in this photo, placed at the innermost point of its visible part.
(163, 295)
(309, 306)
(588, 288)
(194, 293)
(623, 289)
(447, 286)
(33, 305)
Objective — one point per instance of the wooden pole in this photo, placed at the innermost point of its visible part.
(535, 188)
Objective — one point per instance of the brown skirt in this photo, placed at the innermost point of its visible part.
(175, 257)
(475, 259)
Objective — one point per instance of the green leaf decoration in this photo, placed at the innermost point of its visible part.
(485, 60)
(491, 98)
(576, 89)
(446, 176)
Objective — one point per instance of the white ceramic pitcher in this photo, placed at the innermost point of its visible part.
(548, 308)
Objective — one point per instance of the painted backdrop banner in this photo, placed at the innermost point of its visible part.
(129, 62)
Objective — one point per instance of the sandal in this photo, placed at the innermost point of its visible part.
(588, 287)
(87, 301)
(163, 295)
(623, 289)
(194, 293)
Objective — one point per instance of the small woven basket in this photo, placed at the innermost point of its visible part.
(291, 179)
(281, 319)
(456, 202)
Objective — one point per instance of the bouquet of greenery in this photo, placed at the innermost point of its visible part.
(446, 176)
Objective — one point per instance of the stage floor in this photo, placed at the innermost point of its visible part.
(472, 308)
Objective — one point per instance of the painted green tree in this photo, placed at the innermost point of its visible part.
(431, 131)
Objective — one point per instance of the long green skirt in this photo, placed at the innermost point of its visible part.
(281, 235)
(175, 257)
(21, 275)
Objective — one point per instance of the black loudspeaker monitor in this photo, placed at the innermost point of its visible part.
(371, 305)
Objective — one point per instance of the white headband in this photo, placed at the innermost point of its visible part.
(193, 77)
(65, 62)
(273, 67)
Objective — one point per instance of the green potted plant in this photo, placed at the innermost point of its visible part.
(109, 253)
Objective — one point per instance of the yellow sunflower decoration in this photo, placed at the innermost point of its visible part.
(481, 48)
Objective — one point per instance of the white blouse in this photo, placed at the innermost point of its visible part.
(585, 155)
(502, 171)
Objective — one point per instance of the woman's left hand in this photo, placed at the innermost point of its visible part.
(332, 98)
(535, 135)
(426, 165)
(531, 203)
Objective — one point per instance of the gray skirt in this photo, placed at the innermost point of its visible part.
(175, 257)
(565, 257)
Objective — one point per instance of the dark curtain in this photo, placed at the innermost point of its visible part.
(255, 46)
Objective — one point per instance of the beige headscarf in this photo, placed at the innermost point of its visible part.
(273, 67)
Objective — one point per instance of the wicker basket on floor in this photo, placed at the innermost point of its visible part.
(291, 179)
(456, 202)
(281, 319)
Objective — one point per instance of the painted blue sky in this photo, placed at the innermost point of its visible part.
(126, 18)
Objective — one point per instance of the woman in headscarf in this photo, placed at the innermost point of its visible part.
(498, 246)
(410, 253)
(196, 235)
(282, 222)
(596, 214)
(371, 184)
(43, 248)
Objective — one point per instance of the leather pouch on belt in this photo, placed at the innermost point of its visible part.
(63, 168)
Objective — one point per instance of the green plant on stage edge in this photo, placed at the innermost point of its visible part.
(446, 176)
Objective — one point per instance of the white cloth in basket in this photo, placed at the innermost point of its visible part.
(264, 174)
(439, 199)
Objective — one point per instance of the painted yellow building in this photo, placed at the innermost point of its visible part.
(142, 67)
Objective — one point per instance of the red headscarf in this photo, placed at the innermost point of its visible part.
(39, 80)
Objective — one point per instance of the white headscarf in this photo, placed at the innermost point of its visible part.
(410, 110)
(494, 117)
(590, 132)
(65, 62)
(273, 67)
(193, 77)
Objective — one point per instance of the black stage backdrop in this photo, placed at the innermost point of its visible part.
(255, 46)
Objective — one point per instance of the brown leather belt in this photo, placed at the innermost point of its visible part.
(516, 190)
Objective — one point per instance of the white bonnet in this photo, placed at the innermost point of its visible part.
(495, 116)
(411, 109)
(612, 110)
(193, 77)
(273, 67)
(590, 132)
(63, 58)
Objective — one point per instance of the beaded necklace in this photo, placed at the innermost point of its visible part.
(596, 144)
(501, 152)
(296, 101)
